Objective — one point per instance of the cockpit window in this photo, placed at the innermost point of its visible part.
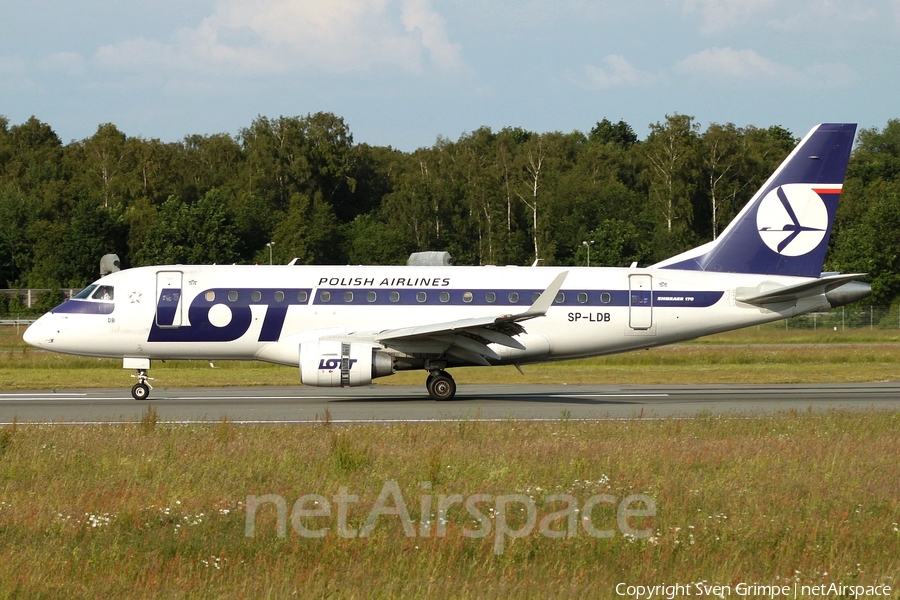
(86, 292)
(104, 292)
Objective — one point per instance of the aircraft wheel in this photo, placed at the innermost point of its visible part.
(441, 386)
(140, 391)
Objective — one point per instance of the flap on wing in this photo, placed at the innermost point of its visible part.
(796, 291)
(469, 338)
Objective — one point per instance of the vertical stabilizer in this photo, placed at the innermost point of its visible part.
(785, 228)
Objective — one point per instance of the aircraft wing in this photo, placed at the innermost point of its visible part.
(468, 339)
(790, 293)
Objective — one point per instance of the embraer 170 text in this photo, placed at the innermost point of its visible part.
(345, 326)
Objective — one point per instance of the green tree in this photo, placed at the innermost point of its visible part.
(620, 134)
(310, 233)
(372, 242)
(616, 243)
(671, 152)
(92, 232)
(200, 233)
(105, 158)
(16, 251)
(872, 245)
(721, 160)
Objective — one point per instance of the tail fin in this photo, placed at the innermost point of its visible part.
(784, 229)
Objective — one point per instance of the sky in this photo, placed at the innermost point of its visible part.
(404, 73)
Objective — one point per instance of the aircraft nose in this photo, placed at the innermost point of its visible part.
(35, 335)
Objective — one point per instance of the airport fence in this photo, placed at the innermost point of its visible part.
(846, 317)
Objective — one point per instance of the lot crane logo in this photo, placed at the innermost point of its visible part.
(792, 219)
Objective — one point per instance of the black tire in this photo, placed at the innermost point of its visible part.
(441, 386)
(140, 391)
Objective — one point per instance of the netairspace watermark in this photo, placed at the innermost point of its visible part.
(702, 589)
(501, 515)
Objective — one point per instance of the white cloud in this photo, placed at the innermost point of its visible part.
(724, 64)
(818, 13)
(418, 17)
(69, 63)
(10, 64)
(616, 72)
(279, 36)
(721, 15)
(736, 64)
(14, 75)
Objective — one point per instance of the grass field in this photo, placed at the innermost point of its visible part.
(157, 510)
(765, 355)
(153, 509)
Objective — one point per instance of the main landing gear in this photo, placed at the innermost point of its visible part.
(141, 390)
(440, 385)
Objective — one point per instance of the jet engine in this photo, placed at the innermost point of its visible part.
(335, 363)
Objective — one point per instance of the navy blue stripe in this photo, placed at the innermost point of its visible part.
(85, 307)
(432, 297)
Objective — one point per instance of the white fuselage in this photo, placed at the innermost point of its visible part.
(265, 312)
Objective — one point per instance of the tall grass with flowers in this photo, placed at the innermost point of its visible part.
(156, 509)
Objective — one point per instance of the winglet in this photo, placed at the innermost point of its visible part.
(544, 301)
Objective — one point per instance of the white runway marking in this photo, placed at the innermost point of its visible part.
(609, 395)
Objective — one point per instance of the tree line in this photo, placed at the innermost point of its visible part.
(299, 187)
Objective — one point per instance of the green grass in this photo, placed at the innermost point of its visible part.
(154, 509)
(158, 510)
(764, 355)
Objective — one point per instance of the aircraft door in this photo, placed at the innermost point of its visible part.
(640, 301)
(168, 298)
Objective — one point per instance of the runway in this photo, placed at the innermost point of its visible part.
(392, 404)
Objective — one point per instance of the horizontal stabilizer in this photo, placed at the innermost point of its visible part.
(790, 293)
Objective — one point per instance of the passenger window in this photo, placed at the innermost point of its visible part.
(605, 297)
(371, 296)
(513, 297)
(491, 297)
(560, 298)
(256, 296)
(232, 296)
(325, 296)
(279, 296)
(395, 296)
(467, 297)
(348, 296)
(421, 296)
(210, 296)
(445, 296)
(302, 297)
(535, 296)
(582, 297)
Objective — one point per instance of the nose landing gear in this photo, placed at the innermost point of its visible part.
(141, 390)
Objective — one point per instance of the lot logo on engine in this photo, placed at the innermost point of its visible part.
(330, 364)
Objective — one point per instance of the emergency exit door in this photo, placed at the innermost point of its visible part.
(168, 298)
(640, 302)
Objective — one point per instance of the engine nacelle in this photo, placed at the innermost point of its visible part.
(332, 363)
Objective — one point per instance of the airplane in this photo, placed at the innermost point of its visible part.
(348, 325)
